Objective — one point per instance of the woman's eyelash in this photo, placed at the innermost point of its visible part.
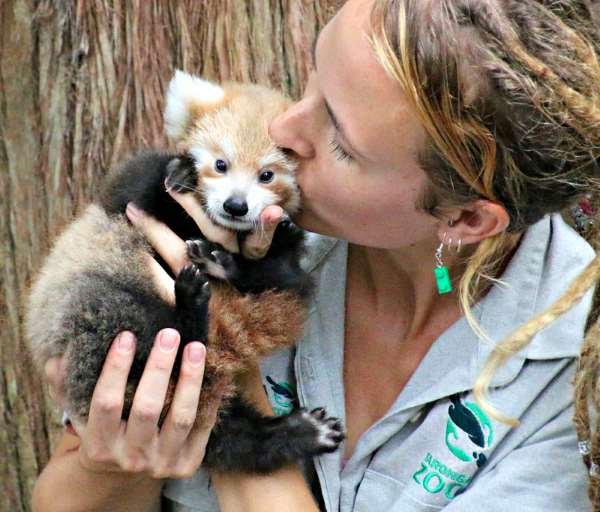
(340, 153)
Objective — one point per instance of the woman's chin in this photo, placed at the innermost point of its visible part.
(306, 220)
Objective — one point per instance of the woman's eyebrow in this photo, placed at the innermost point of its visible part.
(334, 120)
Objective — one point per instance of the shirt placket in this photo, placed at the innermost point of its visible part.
(319, 362)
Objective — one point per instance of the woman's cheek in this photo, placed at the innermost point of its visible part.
(306, 178)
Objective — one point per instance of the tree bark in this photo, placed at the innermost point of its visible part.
(81, 86)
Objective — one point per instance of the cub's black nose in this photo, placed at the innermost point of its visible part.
(235, 206)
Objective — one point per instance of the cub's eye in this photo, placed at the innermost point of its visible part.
(221, 166)
(266, 176)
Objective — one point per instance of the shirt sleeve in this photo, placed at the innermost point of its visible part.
(544, 474)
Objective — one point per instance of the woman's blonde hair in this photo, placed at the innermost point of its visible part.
(508, 92)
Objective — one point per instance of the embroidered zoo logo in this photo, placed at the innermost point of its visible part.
(284, 395)
(468, 433)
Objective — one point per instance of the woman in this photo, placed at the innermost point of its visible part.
(432, 133)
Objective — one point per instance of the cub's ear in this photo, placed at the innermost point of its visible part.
(188, 98)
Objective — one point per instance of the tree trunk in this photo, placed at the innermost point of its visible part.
(82, 85)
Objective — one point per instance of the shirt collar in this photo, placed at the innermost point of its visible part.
(317, 247)
(550, 256)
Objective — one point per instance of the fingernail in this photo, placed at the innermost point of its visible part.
(169, 339)
(275, 217)
(132, 211)
(196, 352)
(126, 342)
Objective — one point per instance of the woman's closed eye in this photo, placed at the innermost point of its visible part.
(340, 153)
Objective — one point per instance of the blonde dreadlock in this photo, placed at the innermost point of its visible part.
(509, 94)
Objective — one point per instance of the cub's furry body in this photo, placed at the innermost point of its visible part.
(96, 283)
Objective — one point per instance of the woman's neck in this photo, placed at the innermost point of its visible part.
(393, 281)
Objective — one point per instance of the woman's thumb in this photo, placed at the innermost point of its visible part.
(258, 242)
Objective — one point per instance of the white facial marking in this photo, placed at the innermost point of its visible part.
(202, 156)
(242, 184)
(270, 159)
(228, 148)
(276, 158)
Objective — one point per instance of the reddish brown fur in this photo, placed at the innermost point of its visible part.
(242, 329)
(283, 191)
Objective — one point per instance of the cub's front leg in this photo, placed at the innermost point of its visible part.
(246, 325)
(245, 440)
(249, 327)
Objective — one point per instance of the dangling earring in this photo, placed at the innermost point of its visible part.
(442, 276)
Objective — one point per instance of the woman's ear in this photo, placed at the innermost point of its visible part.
(477, 221)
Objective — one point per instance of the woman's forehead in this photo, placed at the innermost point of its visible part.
(366, 101)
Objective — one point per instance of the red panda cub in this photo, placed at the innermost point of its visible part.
(96, 282)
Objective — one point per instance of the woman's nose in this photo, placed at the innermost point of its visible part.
(286, 130)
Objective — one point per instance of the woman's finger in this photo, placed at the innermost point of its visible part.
(209, 229)
(195, 446)
(184, 408)
(257, 243)
(171, 248)
(104, 420)
(149, 398)
(164, 283)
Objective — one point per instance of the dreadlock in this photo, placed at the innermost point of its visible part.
(509, 94)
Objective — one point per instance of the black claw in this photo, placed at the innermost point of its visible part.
(205, 291)
(223, 258)
(202, 251)
(193, 249)
(335, 424)
(318, 413)
(308, 432)
(337, 437)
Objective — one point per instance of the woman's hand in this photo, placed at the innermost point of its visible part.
(109, 443)
(173, 249)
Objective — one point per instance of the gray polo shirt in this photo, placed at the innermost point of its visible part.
(435, 448)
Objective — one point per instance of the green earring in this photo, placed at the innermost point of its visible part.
(442, 276)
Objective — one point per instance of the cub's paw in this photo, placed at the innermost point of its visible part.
(181, 175)
(214, 260)
(317, 433)
(198, 250)
(192, 286)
